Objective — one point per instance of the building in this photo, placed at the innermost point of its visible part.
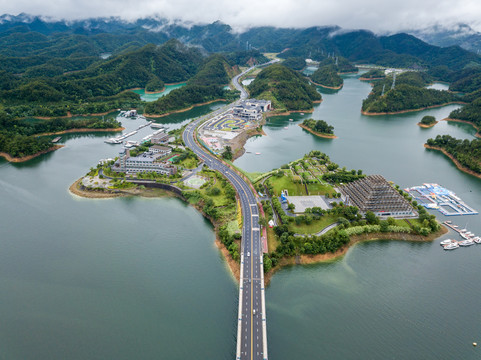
(251, 109)
(159, 137)
(162, 150)
(374, 193)
(146, 162)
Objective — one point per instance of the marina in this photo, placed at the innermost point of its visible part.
(434, 196)
(469, 238)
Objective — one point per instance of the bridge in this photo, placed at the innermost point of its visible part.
(251, 320)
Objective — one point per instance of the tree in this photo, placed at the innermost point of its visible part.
(371, 218)
(227, 154)
(291, 206)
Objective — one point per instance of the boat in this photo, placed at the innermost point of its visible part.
(291, 119)
(258, 153)
(156, 126)
(467, 242)
(286, 127)
(302, 113)
(465, 235)
(113, 141)
(451, 246)
(477, 239)
(447, 242)
(56, 139)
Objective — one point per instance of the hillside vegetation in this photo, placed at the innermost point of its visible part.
(327, 76)
(287, 89)
(409, 93)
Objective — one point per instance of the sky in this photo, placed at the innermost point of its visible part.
(377, 15)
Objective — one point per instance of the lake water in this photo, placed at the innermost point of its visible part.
(154, 96)
(136, 278)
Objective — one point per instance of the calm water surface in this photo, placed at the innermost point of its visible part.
(141, 278)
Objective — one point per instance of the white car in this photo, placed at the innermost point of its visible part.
(248, 253)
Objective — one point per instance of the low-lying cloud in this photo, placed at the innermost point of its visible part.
(376, 15)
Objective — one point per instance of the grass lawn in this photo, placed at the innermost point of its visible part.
(188, 163)
(320, 189)
(272, 241)
(403, 223)
(315, 226)
(286, 182)
(232, 227)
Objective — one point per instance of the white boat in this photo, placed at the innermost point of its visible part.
(477, 239)
(156, 126)
(451, 246)
(464, 235)
(286, 127)
(113, 141)
(467, 242)
(291, 119)
(258, 153)
(447, 242)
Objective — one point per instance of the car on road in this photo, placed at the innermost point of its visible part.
(248, 253)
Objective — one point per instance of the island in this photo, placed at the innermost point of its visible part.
(22, 140)
(288, 90)
(319, 128)
(374, 74)
(405, 92)
(327, 77)
(464, 153)
(427, 121)
(306, 214)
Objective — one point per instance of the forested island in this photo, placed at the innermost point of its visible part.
(328, 77)
(374, 74)
(408, 94)
(20, 139)
(319, 128)
(206, 86)
(287, 89)
(466, 154)
(427, 121)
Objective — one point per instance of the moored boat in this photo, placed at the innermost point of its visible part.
(447, 242)
(451, 246)
(467, 242)
(477, 239)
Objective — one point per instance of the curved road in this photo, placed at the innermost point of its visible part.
(251, 334)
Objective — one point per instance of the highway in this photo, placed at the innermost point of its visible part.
(251, 334)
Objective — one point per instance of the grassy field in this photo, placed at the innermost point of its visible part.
(188, 163)
(272, 241)
(315, 226)
(286, 182)
(320, 189)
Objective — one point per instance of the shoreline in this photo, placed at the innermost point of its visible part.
(425, 126)
(233, 266)
(183, 110)
(363, 112)
(329, 87)
(478, 129)
(326, 136)
(81, 130)
(10, 158)
(454, 160)
(328, 257)
(369, 79)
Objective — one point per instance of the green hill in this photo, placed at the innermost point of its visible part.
(327, 76)
(409, 93)
(207, 85)
(287, 89)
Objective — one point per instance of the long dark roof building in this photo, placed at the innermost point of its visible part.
(374, 193)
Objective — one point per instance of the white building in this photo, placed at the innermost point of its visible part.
(251, 109)
(146, 162)
(162, 150)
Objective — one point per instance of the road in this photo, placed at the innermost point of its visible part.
(251, 336)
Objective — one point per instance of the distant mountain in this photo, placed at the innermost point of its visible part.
(460, 34)
(27, 36)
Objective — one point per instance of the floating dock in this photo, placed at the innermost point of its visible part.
(434, 196)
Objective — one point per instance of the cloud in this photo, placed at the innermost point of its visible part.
(376, 15)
